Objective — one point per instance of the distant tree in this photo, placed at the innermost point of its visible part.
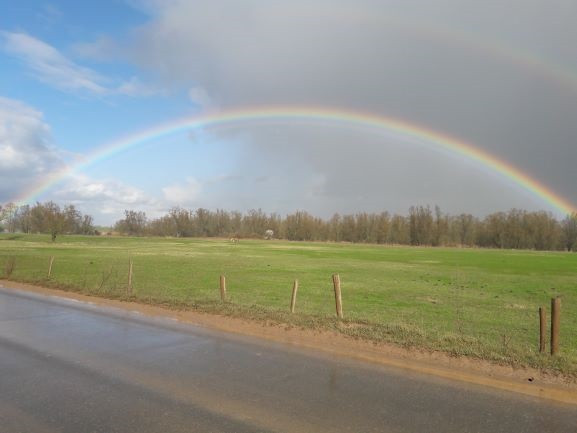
(380, 230)
(300, 226)
(362, 228)
(420, 225)
(440, 229)
(544, 231)
(182, 222)
(203, 222)
(334, 230)
(569, 232)
(223, 225)
(133, 223)
(235, 223)
(493, 231)
(513, 229)
(86, 226)
(274, 223)
(8, 214)
(399, 231)
(55, 219)
(254, 223)
(349, 229)
(24, 222)
(45, 218)
(464, 227)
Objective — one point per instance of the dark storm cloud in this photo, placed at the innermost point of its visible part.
(502, 75)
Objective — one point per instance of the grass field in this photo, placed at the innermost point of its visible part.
(478, 303)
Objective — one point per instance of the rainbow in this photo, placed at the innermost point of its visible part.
(388, 126)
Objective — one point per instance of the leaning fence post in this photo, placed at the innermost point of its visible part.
(222, 288)
(50, 266)
(338, 297)
(294, 295)
(130, 276)
(555, 322)
(542, 328)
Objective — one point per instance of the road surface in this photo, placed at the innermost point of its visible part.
(67, 366)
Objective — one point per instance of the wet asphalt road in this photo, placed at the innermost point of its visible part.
(71, 367)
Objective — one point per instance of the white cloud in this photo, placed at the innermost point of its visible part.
(28, 159)
(135, 87)
(50, 66)
(81, 189)
(183, 194)
(201, 98)
(106, 199)
(26, 150)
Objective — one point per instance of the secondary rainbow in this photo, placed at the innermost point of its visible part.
(388, 126)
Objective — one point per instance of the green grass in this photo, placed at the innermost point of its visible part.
(471, 302)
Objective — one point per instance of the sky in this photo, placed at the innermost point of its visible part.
(91, 92)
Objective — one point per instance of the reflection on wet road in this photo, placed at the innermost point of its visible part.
(66, 366)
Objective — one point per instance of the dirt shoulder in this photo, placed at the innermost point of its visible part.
(521, 380)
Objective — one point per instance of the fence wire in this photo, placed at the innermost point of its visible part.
(452, 320)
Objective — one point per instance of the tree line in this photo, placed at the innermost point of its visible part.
(422, 226)
(46, 217)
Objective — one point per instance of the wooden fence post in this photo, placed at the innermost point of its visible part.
(50, 266)
(338, 297)
(222, 288)
(555, 322)
(130, 276)
(294, 295)
(542, 328)
(9, 267)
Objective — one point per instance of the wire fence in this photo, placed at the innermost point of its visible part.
(451, 318)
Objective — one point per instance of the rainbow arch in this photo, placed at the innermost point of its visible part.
(388, 126)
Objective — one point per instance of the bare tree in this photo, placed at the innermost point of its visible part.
(133, 224)
(420, 225)
(8, 214)
(569, 231)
